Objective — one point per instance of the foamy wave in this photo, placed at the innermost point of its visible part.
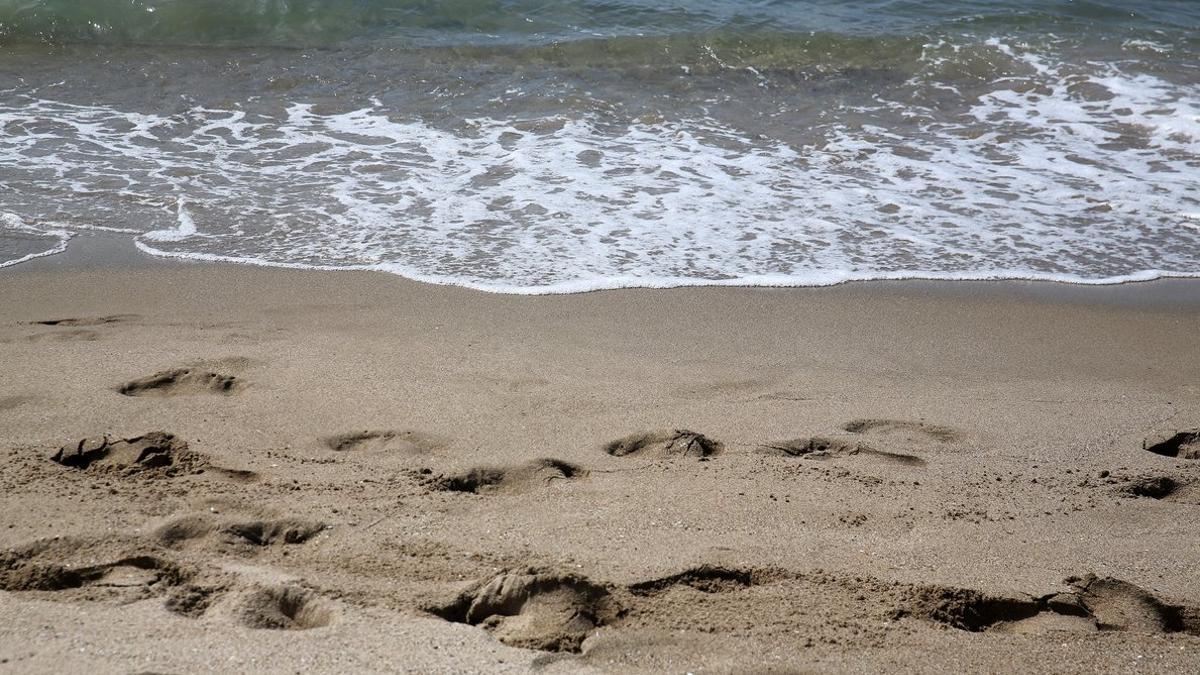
(1053, 173)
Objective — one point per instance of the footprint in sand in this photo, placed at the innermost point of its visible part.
(282, 608)
(157, 454)
(822, 447)
(511, 480)
(534, 609)
(88, 321)
(1093, 604)
(666, 443)
(543, 609)
(66, 569)
(904, 430)
(402, 442)
(133, 569)
(156, 451)
(235, 530)
(1179, 444)
(80, 328)
(554, 611)
(182, 381)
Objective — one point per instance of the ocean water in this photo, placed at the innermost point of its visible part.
(543, 146)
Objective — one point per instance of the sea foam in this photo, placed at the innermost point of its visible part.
(1051, 173)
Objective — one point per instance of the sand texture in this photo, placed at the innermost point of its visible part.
(226, 468)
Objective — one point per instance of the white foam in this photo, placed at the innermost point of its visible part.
(1086, 177)
(184, 229)
(14, 223)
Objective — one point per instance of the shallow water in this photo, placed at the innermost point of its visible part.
(566, 146)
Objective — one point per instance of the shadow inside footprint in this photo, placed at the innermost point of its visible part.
(180, 381)
(665, 443)
(1181, 444)
(706, 579)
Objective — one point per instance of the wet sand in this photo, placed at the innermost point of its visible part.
(222, 467)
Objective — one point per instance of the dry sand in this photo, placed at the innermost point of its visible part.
(219, 467)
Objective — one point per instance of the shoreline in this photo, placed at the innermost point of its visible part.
(840, 479)
(110, 250)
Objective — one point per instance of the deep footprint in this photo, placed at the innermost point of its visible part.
(820, 447)
(534, 609)
(181, 381)
(1180, 444)
(157, 451)
(665, 443)
(283, 608)
(1095, 604)
(530, 475)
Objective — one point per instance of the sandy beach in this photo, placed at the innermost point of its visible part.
(213, 467)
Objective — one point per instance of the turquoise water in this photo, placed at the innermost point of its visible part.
(556, 146)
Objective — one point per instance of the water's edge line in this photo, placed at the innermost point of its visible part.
(626, 283)
(63, 241)
(629, 283)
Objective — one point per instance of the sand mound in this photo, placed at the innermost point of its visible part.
(1181, 444)
(1154, 487)
(181, 381)
(157, 450)
(283, 608)
(191, 600)
(519, 478)
(535, 610)
(665, 443)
